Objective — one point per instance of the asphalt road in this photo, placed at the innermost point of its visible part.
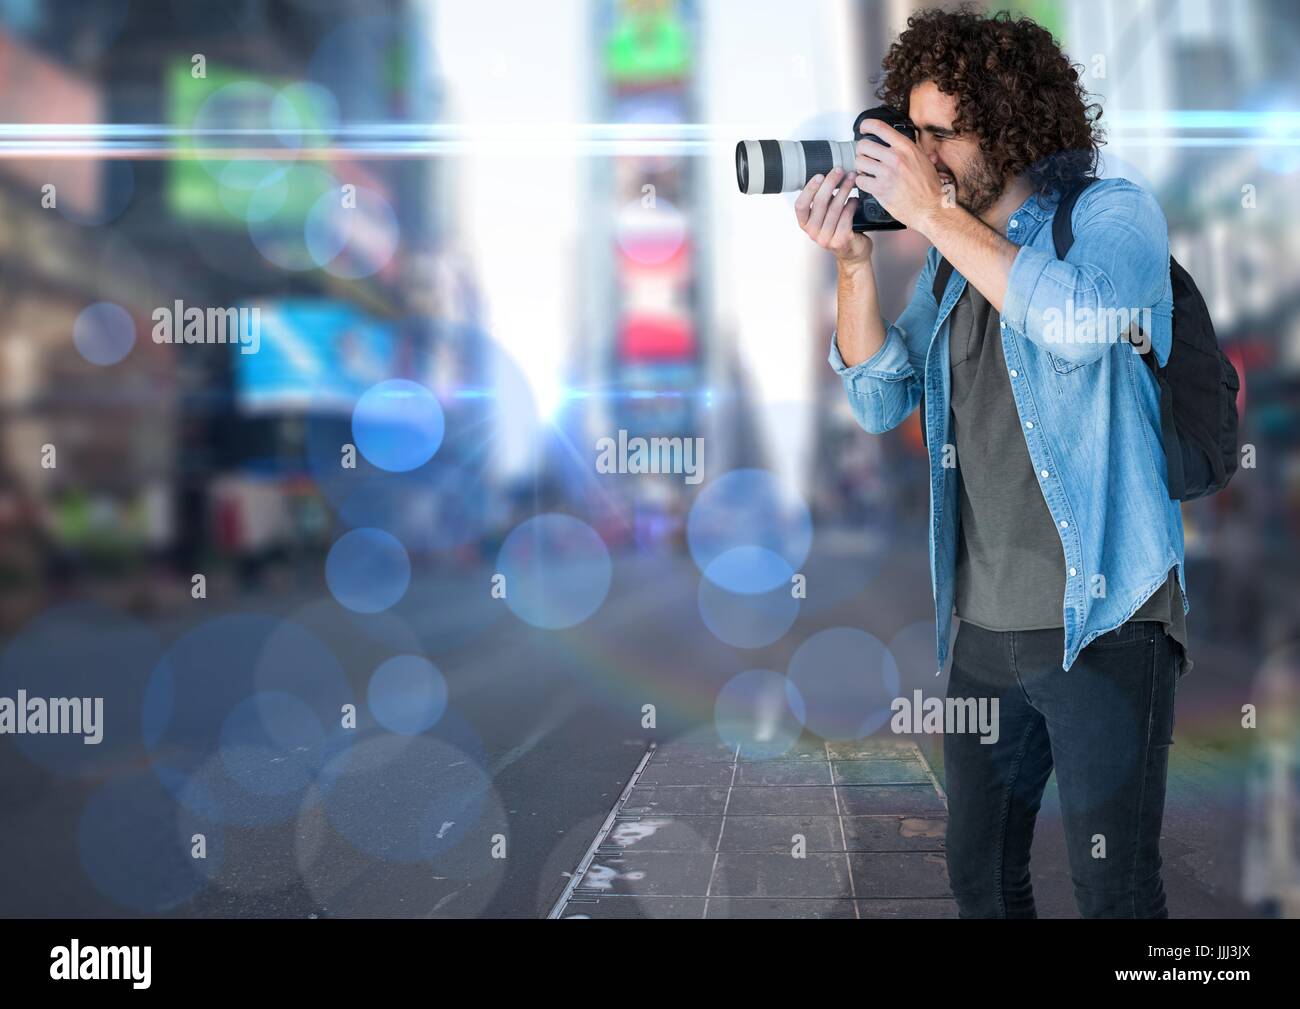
(543, 729)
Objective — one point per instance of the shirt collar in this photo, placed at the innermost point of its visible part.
(1038, 207)
(1026, 219)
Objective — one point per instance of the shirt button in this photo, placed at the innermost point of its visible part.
(1043, 474)
(1015, 223)
(1073, 572)
(1064, 524)
(1014, 373)
(1029, 424)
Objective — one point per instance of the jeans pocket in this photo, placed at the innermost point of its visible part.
(1165, 674)
(1129, 633)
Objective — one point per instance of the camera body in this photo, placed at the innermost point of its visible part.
(784, 166)
(870, 215)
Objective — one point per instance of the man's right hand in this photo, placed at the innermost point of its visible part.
(827, 218)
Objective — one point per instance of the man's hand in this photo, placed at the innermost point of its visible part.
(827, 218)
(900, 176)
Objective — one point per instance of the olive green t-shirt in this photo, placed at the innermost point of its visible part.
(1010, 564)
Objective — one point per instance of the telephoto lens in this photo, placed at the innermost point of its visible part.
(784, 166)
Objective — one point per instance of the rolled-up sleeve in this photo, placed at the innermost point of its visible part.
(1117, 268)
(885, 388)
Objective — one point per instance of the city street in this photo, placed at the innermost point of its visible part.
(450, 466)
(553, 719)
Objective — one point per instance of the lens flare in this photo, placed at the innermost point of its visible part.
(848, 679)
(398, 425)
(760, 711)
(407, 694)
(757, 529)
(557, 571)
(104, 333)
(367, 570)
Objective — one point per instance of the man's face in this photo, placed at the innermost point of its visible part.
(956, 156)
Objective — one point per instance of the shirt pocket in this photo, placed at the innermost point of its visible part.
(1063, 366)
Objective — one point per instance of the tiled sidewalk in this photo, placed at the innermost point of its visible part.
(711, 831)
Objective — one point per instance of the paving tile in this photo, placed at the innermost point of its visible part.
(635, 907)
(893, 833)
(886, 748)
(785, 800)
(752, 875)
(880, 772)
(779, 907)
(774, 833)
(664, 800)
(907, 908)
(900, 874)
(650, 874)
(663, 833)
(698, 824)
(784, 772)
(693, 752)
(714, 773)
(906, 799)
(804, 749)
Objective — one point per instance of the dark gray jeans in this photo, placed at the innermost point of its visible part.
(1105, 726)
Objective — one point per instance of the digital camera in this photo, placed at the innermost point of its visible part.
(783, 166)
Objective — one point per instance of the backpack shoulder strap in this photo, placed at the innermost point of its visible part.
(1062, 227)
(1062, 235)
(941, 276)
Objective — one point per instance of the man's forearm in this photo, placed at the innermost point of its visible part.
(975, 250)
(859, 331)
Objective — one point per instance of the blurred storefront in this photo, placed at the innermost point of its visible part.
(174, 458)
(651, 320)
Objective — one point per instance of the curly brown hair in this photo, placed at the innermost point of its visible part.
(1015, 89)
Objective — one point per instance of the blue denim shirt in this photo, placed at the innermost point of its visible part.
(1088, 404)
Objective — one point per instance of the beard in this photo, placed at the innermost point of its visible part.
(977, 187)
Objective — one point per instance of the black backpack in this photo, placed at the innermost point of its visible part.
(1198, 384)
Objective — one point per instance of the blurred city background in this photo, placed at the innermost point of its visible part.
(529, 211)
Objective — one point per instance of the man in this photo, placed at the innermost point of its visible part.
(1052, 535)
